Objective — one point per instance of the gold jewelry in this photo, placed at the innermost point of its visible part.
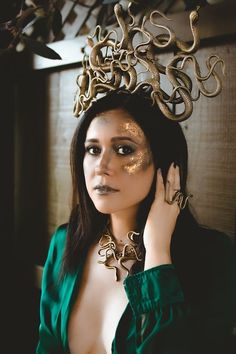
(180, 199)
(112, 64)
(110, 253)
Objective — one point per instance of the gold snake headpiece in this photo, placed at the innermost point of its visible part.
(113, 64)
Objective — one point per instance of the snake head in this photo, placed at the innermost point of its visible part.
(194, 16)
(118, 10)
(90, 42)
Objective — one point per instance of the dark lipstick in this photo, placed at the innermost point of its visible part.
(105, 189)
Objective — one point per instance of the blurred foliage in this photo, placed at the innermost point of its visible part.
(28, 24)
(33, 23)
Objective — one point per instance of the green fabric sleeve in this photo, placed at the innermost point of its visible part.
(157, 302)
(50, 298)
(165, 323)
(152, 288)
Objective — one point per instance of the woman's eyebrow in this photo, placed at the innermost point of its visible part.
(91, 141)
(114, 138)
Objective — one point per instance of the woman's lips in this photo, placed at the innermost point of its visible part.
(105, 189)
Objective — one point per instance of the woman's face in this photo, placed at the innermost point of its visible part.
(118, 166)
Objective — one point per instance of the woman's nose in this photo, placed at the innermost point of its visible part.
(104, 164)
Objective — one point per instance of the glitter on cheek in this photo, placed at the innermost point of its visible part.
(140, 162)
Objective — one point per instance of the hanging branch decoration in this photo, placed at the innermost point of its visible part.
(19, 29)
(112, 64)
(32, 24)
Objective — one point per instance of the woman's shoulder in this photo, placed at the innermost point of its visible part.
(204, 252)
(219, 269)
(215, 242)
(216, 259)
(57, 243)
(59, 236)
(206, 265)
(195, 242)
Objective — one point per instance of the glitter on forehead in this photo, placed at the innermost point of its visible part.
(140, 162)
(133, 129)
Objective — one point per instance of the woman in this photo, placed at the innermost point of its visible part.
(132, 271)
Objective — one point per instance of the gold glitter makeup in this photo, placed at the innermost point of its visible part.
(132, 129)
(143, 158)
(140, 162)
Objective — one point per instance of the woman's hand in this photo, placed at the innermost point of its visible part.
(161, 220)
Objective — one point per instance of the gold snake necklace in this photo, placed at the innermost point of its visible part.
(113, 257)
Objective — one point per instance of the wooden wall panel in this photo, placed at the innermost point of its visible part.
(61, 125)
(210, 133)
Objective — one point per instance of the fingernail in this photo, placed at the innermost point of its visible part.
(176, 165)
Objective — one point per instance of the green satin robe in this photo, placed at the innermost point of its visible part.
(157, 319)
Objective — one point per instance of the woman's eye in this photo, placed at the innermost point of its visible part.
(124, 150)
(93, 150)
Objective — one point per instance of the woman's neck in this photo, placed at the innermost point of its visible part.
(121, 223)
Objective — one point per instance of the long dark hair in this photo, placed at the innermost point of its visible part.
(168, 145)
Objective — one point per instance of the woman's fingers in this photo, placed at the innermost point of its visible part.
(177, 179)
(168, 191)
(160, 188)
(171, 183)
(171, 175)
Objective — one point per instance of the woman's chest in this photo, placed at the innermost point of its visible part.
(96, 312)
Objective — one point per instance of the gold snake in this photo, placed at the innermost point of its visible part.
(211, 72)
(112, 63)
(109, 252)
(188, 48)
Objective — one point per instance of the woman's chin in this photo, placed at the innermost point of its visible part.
(106, 207)
(104, 210)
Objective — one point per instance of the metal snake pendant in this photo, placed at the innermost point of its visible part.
(110, 253)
